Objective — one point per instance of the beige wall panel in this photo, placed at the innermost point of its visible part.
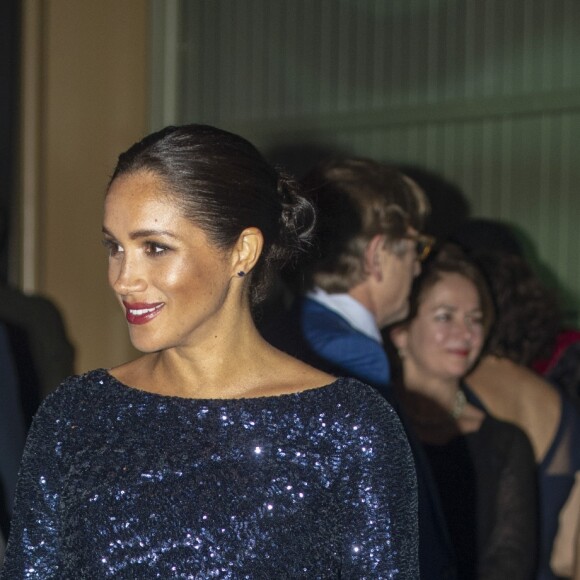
(94, 105)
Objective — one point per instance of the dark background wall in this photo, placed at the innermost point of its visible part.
(9, 93)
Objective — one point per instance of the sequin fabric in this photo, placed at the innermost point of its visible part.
(120, 483)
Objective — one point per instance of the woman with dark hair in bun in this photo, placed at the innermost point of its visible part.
(213, 455)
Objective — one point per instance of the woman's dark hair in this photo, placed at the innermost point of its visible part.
(528, 317)
(224, 185)
(450, 259)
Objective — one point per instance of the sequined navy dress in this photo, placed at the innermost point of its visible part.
(120, 483)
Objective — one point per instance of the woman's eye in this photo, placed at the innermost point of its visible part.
(155, 249)
(112, 247)
(443, 317)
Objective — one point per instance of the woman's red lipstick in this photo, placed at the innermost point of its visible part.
(141, 312)
(460, 351)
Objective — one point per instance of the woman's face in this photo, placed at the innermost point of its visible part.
(445, 338)
(170, 280)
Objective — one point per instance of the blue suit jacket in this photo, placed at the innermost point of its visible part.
(322, 338)
(348, 351)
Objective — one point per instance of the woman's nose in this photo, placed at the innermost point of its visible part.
(464, 329)
(127, 277)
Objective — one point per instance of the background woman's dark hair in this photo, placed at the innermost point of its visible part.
(528, 318)
(224, 185)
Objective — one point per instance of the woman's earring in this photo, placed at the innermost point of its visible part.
(401, 352)
(241, 274)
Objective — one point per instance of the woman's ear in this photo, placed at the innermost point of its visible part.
(399, 335)
(247, 251)
(374, 255)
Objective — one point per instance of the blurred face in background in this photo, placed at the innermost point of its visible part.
(446, 336)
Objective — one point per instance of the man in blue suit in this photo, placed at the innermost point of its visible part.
(358, 279)
(359, 276)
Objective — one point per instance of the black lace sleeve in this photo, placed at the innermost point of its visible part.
(509, 531)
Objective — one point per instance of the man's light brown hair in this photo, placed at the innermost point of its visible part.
(357, 199)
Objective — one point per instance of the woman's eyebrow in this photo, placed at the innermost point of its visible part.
(150, 232)
(444, 305)
(145, 233)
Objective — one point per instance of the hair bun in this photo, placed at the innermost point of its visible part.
(297, 218)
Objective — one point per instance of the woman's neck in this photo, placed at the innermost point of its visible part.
(237, 364)
(438, 409)
(221, 359)
(428, 391)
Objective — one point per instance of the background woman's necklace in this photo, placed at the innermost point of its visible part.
(459, 403)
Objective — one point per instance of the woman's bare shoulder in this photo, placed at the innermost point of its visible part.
(516, 394)
(514, 382)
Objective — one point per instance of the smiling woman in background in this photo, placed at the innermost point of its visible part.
(483, 468)
(213, 454)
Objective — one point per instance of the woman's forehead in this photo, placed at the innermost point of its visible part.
(454, 288)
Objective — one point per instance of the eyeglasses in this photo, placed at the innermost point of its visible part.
(423, 245)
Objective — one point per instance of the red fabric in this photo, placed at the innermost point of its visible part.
(563, 341)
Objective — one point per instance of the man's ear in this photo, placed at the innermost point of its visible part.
(375, 254)
(247, 251)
